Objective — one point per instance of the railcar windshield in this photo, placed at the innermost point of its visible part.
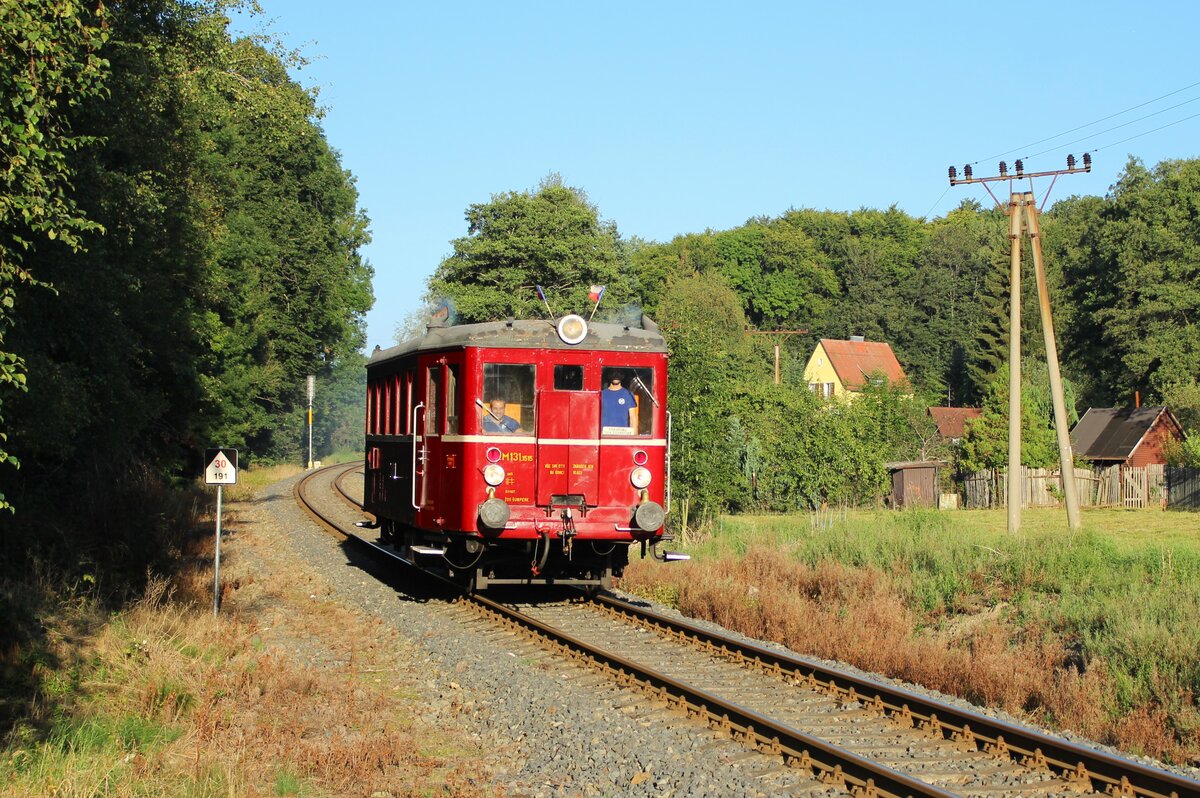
(568, 378)
(626, 400)
(508, 405)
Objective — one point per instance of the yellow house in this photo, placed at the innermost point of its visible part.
(841, 368)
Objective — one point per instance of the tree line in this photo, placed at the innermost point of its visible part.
(1124, 277)
(179, 248)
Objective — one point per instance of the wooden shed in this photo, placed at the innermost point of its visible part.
(914, 484)
(1125, 436)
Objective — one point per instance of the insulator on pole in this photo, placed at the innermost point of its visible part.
(1070, 161)
(1087, 160)
(967, 171)
(953, 175)
(1003, 169)
(1020, 167)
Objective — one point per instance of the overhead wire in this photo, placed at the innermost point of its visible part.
(1118, 127)
(1099, 133)
(1096, 122)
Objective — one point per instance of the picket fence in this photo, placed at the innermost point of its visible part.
(1108, 486)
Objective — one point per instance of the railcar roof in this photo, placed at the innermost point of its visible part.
(537, 334)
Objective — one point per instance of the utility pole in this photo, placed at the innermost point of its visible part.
(780, 333)
(1023, 211)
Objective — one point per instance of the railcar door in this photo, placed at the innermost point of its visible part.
(568, 447)
(429, 449)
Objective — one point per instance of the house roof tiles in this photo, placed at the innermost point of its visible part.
(952, 421)
(855, 360)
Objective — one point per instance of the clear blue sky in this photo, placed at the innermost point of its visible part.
(678, 117)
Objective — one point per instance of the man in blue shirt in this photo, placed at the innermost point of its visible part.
(618, 408)
(495, 419)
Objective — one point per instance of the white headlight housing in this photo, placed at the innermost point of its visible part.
(640, 477)
(572, 329)
(493, 474)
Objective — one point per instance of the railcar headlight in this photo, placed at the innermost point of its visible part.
(640, 477)
(572, 329)
(493, 474)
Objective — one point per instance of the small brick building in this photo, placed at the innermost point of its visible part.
(1125, 436)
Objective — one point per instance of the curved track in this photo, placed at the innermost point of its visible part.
(868, 737)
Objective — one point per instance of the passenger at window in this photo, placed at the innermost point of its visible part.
(618, 408)
(495, 419)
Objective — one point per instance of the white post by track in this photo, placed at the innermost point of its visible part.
(220, 469)
(312, 392)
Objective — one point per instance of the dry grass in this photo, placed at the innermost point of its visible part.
(280, 695)
(860, 605)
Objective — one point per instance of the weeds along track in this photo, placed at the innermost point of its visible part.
(832, 727)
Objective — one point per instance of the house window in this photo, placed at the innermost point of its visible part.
(822, 389)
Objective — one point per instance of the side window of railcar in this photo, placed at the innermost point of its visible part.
(512, 384)
(626, 400)
(431, 399)
(452, 403)
(568, 378)
(408, 387)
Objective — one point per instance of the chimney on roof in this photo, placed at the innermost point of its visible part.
(857, 338)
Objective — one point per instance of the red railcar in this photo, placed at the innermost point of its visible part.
(520, 452)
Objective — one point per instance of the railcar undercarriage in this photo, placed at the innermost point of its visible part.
(478, 564)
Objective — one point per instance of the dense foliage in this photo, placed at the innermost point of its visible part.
(1123, 274)
(188, 245)
(552, 237)
(49, 51)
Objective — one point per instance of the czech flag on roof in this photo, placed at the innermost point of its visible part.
(595, 293)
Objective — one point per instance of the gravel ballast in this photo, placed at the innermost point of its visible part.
(545, 728)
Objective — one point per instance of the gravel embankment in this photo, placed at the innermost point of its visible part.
(555, 729)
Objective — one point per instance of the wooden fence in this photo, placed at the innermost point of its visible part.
(1183, 488)
(1108, 486)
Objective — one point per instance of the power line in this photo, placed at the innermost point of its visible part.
(1096, 122)
(936, 201)
(1118, 127)
(1139, 135)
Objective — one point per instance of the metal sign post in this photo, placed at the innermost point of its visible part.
(220, 469)
(312, 391)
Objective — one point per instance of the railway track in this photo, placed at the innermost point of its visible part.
(865, 737)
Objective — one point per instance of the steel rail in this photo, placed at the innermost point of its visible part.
(829, 762)
(1081, 765)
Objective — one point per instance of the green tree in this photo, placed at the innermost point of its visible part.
(704, 327)
(552, 237)
(958, 292)
(1150, 252)
(286, 290)
(985, 445)
(50, 52)
(229, 270)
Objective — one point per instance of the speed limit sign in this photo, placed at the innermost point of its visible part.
(220, 466)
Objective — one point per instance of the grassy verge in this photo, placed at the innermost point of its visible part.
(280, 695)
(1096, 631)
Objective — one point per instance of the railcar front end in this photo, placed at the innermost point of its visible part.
(521, 452)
